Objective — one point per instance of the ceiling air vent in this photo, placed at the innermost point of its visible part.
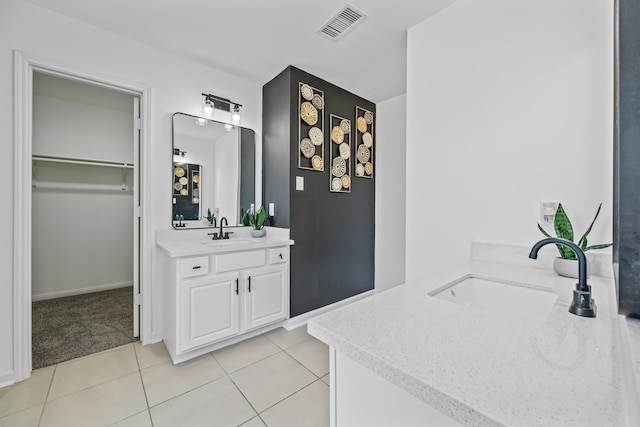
(346, 20)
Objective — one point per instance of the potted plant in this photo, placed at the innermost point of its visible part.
(245, 217)
(257, 220)
(210, 217)
(566, 264)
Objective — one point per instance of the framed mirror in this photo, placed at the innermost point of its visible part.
(213, 169)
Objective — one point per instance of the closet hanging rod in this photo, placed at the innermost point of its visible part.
(88, 162)
(82, 187)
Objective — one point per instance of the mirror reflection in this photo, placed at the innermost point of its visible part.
(213, 172)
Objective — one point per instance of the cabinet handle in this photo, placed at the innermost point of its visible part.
(237, 286)
(280, 255)
(249, 278)
(195, 267)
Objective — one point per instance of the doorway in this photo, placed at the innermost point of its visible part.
(25, 68)
(82, 288)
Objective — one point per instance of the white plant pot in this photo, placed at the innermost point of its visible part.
(258, 233)
(568, 267)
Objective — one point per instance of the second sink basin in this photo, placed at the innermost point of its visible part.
(501, 297)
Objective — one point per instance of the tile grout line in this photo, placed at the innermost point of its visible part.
(281, 400)
(46, 398)
(247, 400)
(144, 389)
(94, 385)
(285, 398)
(303, 365)
(188, 391)
(246, 366)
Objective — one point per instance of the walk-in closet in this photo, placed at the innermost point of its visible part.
(83, 226)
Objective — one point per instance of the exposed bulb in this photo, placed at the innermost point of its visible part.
(208, 108)
(235, 117)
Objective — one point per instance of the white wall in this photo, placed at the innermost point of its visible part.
(390, 192)
(78, 120)
(509, 102)
(81, 240)
(176, 85)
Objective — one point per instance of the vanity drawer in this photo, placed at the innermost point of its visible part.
(278, 255)
(239, 260)
(197, 266)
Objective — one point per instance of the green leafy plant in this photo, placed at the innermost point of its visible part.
(255, 219)
(564, 230)
(210, 216)
(245, 217)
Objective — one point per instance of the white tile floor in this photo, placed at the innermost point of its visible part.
(276, 379)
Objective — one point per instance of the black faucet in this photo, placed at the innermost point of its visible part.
(582, 304)
(223, 235)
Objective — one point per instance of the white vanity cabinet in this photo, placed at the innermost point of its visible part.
(218, 299)
(208, 310)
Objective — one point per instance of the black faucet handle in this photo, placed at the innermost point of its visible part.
(214, 235)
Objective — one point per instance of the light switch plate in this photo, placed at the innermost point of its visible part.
(300, 183)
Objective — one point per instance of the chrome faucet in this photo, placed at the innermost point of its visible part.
(582, 303)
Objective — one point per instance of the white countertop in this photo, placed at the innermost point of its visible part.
(196, 242)
(483, 369)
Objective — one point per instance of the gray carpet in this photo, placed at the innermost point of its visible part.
(75, 326)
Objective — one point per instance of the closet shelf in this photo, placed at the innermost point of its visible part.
(89, 162)
(80, 186)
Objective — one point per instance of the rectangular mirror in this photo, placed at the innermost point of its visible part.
(213, 170)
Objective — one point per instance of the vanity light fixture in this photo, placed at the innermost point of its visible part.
(212, 102)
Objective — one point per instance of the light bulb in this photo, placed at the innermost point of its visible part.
(235, 117)
(208, 108)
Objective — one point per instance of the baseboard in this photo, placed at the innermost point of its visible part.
(302, 319)
(156, 337)
(7, 378)
(80, 291)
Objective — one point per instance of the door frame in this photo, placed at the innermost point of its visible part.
(24, 66)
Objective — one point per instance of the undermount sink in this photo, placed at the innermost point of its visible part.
(501, 297)
(227, 242)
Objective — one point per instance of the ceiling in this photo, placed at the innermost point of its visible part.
(256, 39)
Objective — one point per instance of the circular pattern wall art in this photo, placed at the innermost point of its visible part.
(337, 135)
(340, 178)
(308, 113)
(307, 148)
(310, 128)
(364, 143)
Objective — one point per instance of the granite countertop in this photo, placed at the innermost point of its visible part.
(197, 242)
(485, 369)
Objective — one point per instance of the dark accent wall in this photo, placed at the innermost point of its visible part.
(626, 250)
(334, 233)
(247, 170)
